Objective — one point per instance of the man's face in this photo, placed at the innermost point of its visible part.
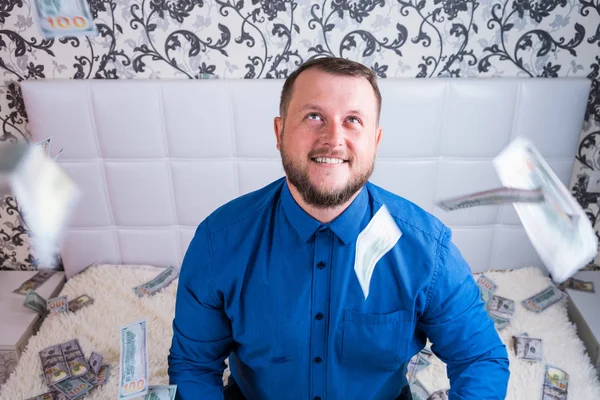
(329, 138)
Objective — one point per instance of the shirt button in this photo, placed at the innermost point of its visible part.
(319, 316)
(321, 265)
(318, 360)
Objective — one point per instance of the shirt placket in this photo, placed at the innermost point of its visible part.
(321, 284)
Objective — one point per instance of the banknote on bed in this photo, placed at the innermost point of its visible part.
(527, 348)
(501, 307)
(161, 392)
(36, 303)
(73, 388)
(80, 302)
(75, 359)
(487, 287)
(544, 299)
(58, 305)
(133, 375)
(34, 282)
(158, 283)
(556, 382)
(54, 365)
(577, 284)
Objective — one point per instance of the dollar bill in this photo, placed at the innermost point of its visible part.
(577, 284)
(103, 375)
(54, 365)
(559, 229)
(34, 282)
(60, 18)
(486, 287)
(443, 394)
(44, 396)
(73, 388)
(544, 299)
(158, 283)
(75, 358)
(58, 305)
(527, 348)
(418, 391)
(499, 323)
(501, 307)
(36, 303)
(133, 375)
(419, 362)
(161, 392)
(503, 195)
(95, 362)
(556, 382)
(80, 302)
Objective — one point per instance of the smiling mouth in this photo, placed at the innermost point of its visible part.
(328, 160)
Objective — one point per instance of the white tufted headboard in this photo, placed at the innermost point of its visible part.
(154, 158)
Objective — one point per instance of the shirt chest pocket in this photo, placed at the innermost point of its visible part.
(379, 341)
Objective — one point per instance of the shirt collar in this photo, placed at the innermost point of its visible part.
(346, 226)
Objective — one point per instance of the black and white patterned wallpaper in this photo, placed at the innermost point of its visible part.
(257, 39)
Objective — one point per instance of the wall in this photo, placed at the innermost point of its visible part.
(190, 39)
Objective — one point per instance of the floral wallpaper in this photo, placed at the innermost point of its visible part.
(259, 39)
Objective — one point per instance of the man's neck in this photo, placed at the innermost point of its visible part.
(323, 215)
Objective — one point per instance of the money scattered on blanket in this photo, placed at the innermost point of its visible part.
(80, 302)
(503, 195)
(34, 282)
(417, 363)
(133, 375)
(527, 348)
(68, 374)
(95, 362)
(160, 282)
(161, 392)
(556, 383)
(577, 284)
(501, 307)
(544, 299)
(418, 391)
(440, 395)
(58, 305)
(36, 303)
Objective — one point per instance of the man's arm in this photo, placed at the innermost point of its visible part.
(461, 331)
(201, 330)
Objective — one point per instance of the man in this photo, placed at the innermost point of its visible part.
(322, 285)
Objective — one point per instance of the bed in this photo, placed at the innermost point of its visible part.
(153, 158)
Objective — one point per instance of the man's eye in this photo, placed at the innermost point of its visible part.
(313, 116)
(354, 120)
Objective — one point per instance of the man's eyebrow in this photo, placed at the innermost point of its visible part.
(315, 107)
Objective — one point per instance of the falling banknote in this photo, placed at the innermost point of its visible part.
(558, 228)
(556, 383)
(133, 376)
(36, 303)
(34, 282)
(492, 197)
(158, 283)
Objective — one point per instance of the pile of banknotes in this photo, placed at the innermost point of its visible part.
(157, 284)
(67, 372)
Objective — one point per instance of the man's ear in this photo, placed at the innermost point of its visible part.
(378, 136)
(278, 128)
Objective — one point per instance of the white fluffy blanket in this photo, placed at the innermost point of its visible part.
(97, 328)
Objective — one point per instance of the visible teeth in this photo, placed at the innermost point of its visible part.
(327, 160)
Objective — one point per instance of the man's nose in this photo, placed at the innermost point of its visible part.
(334, 134)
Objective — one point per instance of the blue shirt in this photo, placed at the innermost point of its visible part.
(268, 285)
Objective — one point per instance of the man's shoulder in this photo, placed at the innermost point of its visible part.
(245, 207)
(408, 215)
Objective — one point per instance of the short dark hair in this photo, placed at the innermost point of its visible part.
(332, 65)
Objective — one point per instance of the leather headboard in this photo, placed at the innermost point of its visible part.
(154, 158)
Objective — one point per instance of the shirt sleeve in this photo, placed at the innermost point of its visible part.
(201, 330)
(462, 334)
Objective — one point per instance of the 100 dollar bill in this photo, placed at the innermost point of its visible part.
(161, 392)
(133, 376)
(159, 282)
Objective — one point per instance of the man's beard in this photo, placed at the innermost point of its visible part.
(319, 198)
